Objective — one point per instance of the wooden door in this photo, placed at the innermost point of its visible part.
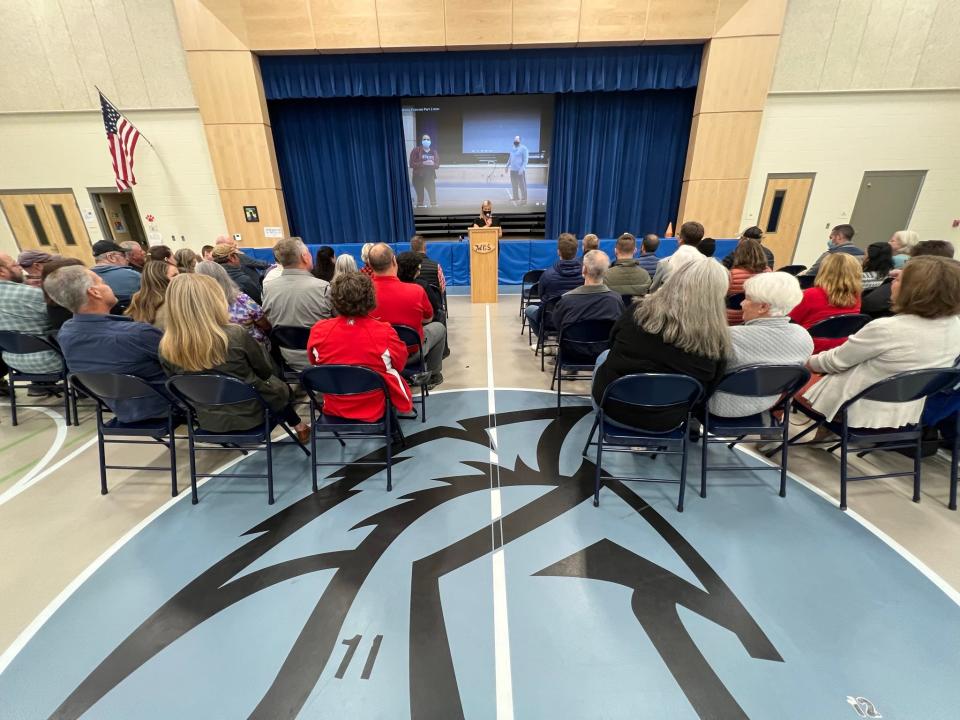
(781, 214)
(48, 222)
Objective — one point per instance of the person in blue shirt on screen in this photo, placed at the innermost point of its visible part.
(517, 165)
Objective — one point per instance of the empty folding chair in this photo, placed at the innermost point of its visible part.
(838, 326)
(529, 292)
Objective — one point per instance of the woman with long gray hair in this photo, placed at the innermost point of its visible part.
(680, 329)
(344, 264)
(243, 310)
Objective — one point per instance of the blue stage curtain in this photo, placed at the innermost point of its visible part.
(503, 72)
(617, 162)
(342, 165)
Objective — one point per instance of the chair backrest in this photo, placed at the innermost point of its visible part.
(792, 269)
(735, 301)
(764, 380)
(839, 326)
(908, 386)
(115, 386)
(341, 380)
(20, 343)
(289, 337)
(652, 390)
(581, 341)
(408, 336)
(546, 314)
(806, 281)
(531, 276)
(212, 389)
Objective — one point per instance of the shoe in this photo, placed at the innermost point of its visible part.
(446, 353)
(303, 435)
(550, 350)
(41, 390)
(436, 379)
(4, 388)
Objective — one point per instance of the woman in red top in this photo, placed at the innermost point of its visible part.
(355, 338)
(836, 291)
(748, 260)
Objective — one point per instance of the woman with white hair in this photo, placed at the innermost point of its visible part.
(903, 242)
(344, 264)
(767, 337)
(680, 329)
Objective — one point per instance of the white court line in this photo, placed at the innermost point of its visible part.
(501, 624)
(38, 471)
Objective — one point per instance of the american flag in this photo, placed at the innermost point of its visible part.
(122, 138)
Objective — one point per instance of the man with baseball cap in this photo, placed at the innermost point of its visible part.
(227, 256)
(112, 268)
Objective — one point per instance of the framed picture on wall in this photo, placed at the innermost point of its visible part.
(250, 213)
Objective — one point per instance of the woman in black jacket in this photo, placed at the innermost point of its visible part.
(680, 329)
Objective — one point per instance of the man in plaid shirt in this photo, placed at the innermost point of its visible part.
(23, 309)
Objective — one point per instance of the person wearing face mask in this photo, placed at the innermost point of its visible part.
(517, 165)
(424, 163)
(840, 241)
(487, 219)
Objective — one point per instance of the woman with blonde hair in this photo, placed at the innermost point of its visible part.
(344, 264)
(748, 260)
(681, 329)
(186, 260)
(365, 258)
(836, 291)
(241, 307)
(147, 304)
(199, 337)
(902, 242)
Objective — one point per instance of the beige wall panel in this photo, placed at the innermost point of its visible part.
(278, 24)
(345, 24)
(25, 78)
(715, 203)
(270, 209)
(681, 19)
(908, 45)
(939, 67)
(878, 37)
(211, 24)
(243, 156)
(65, 69)
(546, 22)
(227, 86)
(749, 17)
(90, 50)
(722, 145)
(411, 24)
(154, 28)
(843, 46)
(737, 75)
(612, 20)
(121, 53)
(808, 26)
(472, 22)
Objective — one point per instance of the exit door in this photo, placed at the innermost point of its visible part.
(781, 214)
(49, 222)
(885, 204)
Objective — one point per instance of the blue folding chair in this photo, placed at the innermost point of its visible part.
(529, 292)
(549, 333)
(577, 349)
(217, 390)
(287, 337)
(792, 269)
(903, 387)
(806, 281)
(754, 381)
(348, 380)
(839, 326)
(25, 344)
(415, 372)
(637, 394)
(105, 389)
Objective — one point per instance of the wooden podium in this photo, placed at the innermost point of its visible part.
(483, 264)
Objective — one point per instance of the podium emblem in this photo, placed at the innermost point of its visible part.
(482, 247)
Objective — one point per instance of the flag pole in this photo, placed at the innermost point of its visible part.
(142, 136)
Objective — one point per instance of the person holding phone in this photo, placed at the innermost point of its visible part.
(487, 219)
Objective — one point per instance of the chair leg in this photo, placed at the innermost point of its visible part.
(13, 401)
(423, 403)
(593, 429)
(704, 447)
(174, 490)
(683, 466)
(313, 446)
(269, 461)
(66, 404)
(389, 442)
(75, 399)
(954, 467)
(917, 465)
(596, 480)
(101, 450)
(783, 454)
(192, 448)
(843, 468)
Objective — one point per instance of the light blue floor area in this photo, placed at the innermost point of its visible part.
(744, 605)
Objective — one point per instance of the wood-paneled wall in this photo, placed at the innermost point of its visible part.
(222, 37)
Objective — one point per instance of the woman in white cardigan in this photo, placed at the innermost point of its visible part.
(925, 333)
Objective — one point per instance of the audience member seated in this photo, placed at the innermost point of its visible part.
(681, 329)
(345, 264)
(840, 241)
(253, 267)
(296, 298)
(241, 307)
(98, 342)
(902, 243)
(751, 233)
(32, 263)
(648, 253)
(229, 259)
(876, 303)
(767, 337)
(593, 300)
(707, 247)
(111, 265)
(365, 259)
(353, 337)
(57, 314)
(691, 233)
(564, 275)
(147, 305)
(626, 275)
(924, 333)
(410, 270)
(136, 257)
(161, 253)
(406, 304)
(186, 260)
(876, 265)
(324, 264)
(22, 309)
(590, 242)
(200, 338)
(431, 272)
(748, 260)
(836, 291)
(206, 252)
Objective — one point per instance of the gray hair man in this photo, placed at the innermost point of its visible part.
(591, 301)
(296, 298)
(134, 253)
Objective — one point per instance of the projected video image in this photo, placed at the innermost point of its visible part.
(464, 150)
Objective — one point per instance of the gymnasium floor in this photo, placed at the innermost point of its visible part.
(486, 585)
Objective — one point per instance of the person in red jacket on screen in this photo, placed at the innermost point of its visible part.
(355, 338)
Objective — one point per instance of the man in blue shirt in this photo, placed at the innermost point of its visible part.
(517, 165)
(841, 241)
(112, 266)
(96, 341)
